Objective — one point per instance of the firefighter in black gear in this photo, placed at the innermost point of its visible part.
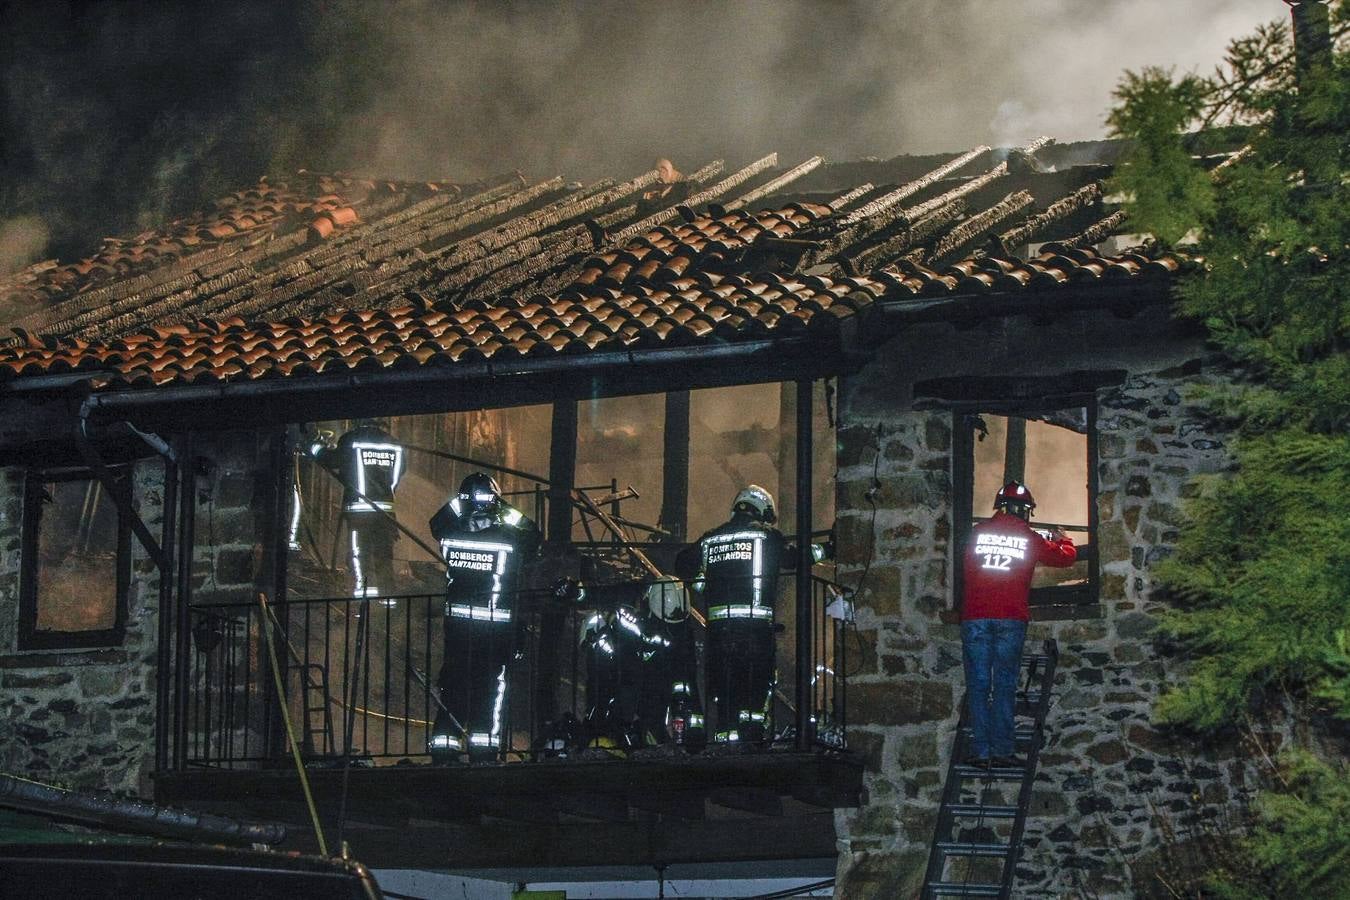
(673, 666)
(640, 685)
(485, 543)
(738, 578)
(369, 463)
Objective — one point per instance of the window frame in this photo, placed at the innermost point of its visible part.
(1049, 601)
(30, 637)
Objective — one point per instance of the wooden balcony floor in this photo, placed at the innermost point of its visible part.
(646, 811)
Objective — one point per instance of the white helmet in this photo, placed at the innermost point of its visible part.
(756, 501)
(666, 600)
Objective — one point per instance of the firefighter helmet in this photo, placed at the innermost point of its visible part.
(757, 502)
(666, 600)
(480, 489)
(1016, 499)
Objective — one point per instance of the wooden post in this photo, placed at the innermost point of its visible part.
(562, 471)
(805, 695)
(675, 467)
(1015, 452)
(163, 658)
(787, 448)
(187, 542)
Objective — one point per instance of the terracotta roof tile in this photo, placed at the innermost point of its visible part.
(389, 251)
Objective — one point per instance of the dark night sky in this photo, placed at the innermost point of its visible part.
(119, 116)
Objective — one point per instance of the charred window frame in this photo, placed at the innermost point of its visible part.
(1047, 602)
(43, 489)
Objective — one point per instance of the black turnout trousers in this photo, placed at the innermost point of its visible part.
(472, 681)
(740, 672)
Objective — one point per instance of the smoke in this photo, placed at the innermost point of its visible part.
(22, 240)
(606, 87)
(117, 115)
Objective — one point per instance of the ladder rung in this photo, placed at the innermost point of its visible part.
(1021, 734)
(989, 812)
(956, 889)
(960, 848)
(999, 774)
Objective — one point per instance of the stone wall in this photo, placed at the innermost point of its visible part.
(1109, 784)
(230, 527)
(86, 718)
(81, 718)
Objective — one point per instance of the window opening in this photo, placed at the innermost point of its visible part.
(76, 563)
(1052, 451)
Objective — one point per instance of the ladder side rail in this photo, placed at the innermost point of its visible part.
(1039, 682)
(1042, 710)
(951, 792)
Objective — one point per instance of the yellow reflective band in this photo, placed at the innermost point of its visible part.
(480, 613)
(740, 611)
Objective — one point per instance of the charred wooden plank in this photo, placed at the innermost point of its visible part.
(769, 188)
(1099, 230)
(701, 197)
(919, 233)
(909, 189)
(966, 233)
(1060, 209)
(849, 197)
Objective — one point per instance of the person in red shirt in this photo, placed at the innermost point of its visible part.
(999, 562)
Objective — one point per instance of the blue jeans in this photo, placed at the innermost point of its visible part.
(993, 654)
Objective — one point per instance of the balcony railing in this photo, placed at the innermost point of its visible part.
(359, 678)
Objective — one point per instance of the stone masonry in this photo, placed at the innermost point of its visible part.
(81, 718)
(85, 718)
(1110, 786)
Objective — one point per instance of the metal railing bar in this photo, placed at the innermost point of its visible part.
(389, 727)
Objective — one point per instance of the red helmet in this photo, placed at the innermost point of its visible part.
(1014, 493)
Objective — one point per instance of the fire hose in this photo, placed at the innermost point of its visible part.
(286, 720)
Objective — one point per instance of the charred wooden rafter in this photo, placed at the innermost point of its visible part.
(919, 233)
(1098, 231)
(882, 220)
(769, 188)
(968, 232)
(598, 233)
(415, 270)
(909, 189)
(240, 289)
(625, 213)
(1060, 209)
(196, 277)
(712, 193)
(848, 198)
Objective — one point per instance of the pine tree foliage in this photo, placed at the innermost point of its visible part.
(1167, 191)
(1261, 576)
(1300, 845)
(1262, 571)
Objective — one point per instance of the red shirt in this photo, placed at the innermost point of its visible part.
(999, 562)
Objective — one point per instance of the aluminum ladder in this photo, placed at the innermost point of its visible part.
(966, 828)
